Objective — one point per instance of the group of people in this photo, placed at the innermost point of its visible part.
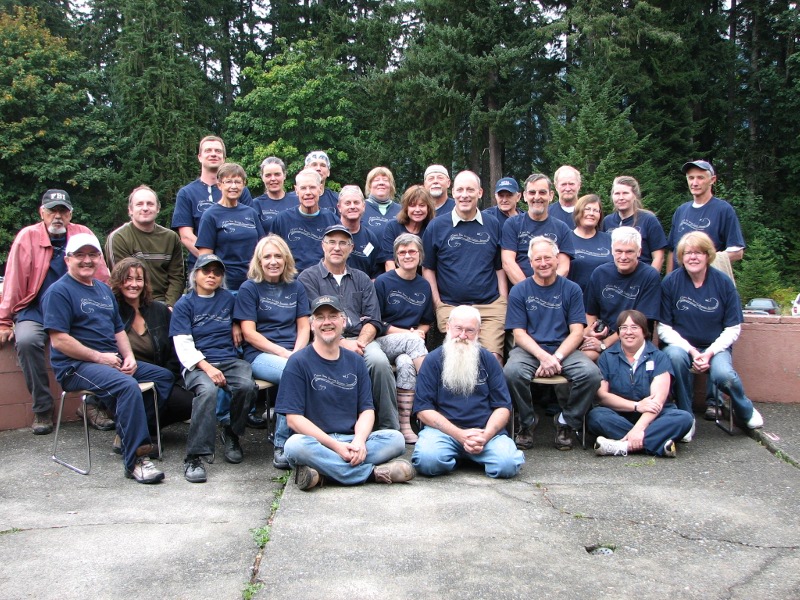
(332, 297)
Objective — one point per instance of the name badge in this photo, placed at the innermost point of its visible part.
(368, 249)
(649, 365)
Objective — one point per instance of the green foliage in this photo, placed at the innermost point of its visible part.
(250, 590)
(261, 535)
(757, 276)
(51, 133)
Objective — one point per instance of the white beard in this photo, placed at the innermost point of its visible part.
(460, 366)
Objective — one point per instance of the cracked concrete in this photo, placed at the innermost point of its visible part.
(721, 521)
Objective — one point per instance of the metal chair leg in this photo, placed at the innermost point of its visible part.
(146, 387)
(730, 429)
(84, 396)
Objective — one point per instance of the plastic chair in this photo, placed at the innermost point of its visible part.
(85, 394)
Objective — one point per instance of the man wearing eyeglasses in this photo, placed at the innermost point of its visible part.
(91, 351)
(332, 277)
(547, 318)
(35, 262)
(302, 228)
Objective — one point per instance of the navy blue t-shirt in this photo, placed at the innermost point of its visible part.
(329, 200)
(465, 257)
(497, 214)
(56, 270)
(520, 230)
(274, 308)
(393, 230)
(647, 224)
(589, 254)
(366, 254)
(375, 220)
(89, 313)
(209, 321)
(446, 208)
(404, 303)
(716, 218)
(267, 208)
(610, 292)
(700, 314)
(545, 312)
(329, 393)
(303, 234)
(232, 234)
(557, 211)
(193, 200)
(490, 393)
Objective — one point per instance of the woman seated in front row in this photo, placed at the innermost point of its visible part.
(272, 310)
(147, 325)
(634, 413)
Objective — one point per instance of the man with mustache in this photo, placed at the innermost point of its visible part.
(35, 262)
(463, 402)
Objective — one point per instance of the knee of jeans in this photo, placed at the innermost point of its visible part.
(503, 468)
(428, 463)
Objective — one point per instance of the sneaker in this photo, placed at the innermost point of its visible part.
(42, 423)
(711, 413)
(306, 478)
(193, 470)
(524, 439)
(689, 436)
(670, 451)
(144, 471)
(564, 435)
(605, 447)
(279, 460)
(396, 471)
(756, 421)
(96, 417)
(230, 441)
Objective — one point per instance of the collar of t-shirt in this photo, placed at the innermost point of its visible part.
(383, 207)
(456, 218)
(636, 358)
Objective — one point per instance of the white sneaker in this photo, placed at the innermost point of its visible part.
(690, 436)
(144, 471)
(605, 447)
(756, 421)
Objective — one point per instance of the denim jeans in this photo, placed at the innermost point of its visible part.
(382, 446)
(121, 392)
(30, 339)
(580, 371)
(269, 367)
(671, 423)
(435, 453)
(721, 373)
(239, 379)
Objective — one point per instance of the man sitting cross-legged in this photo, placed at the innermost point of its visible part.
(326, 396)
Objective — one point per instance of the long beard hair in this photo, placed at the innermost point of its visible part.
(460, 365)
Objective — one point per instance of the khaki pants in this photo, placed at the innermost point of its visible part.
(493, 323)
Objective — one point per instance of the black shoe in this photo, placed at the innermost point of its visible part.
(564, 435)
(42, 423)
(256, 422)
(230, 441)
(279, 459)
(193, 470)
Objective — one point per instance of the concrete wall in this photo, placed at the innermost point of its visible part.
(767, 357)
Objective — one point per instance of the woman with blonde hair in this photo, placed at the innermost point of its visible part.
(381, 208)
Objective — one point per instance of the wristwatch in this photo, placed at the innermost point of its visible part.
(559, 356)
(602, 346)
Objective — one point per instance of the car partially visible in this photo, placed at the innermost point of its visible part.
(760, 306)
(796, 306)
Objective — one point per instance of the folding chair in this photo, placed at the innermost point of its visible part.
(144, 387)
(262, 386)
(561, 380)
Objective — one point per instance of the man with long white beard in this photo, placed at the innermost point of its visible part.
(463, 402)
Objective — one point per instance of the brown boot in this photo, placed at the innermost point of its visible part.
(405, 401)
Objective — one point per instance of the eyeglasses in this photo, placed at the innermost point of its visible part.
(407, 252)
(337, 243)
(327, 318)
(85, 255)
(694, 253)
(229, 182)
(209, 270)
(458, 330)
(631, 328)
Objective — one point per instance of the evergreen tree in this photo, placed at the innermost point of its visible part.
(757, 276)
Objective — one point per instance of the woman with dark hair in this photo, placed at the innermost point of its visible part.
(592, 246)
(634, 413)
(629, 211)
(147, 325)
(416, 211)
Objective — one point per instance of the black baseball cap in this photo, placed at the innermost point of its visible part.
(207, 259)
(53, 198)
(327, 300)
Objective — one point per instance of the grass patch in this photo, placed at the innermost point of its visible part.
(12, 530)
(251, 590)
(647, 463)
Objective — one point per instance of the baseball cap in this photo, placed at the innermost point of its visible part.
(700, 164)
(207, 259)
(318, 155)
(79, 240)
(337, 227)
(332, 301)
(53, 198)
(507, 184)
(436, 169)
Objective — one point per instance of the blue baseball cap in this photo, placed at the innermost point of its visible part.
(507, 184)
(700, 164)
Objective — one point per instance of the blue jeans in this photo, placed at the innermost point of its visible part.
(121, 392)
(580, 371)
(269, 367)
(721, 373)
(240, 385)
(382, 446)
(435, 453)
(671, 423)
